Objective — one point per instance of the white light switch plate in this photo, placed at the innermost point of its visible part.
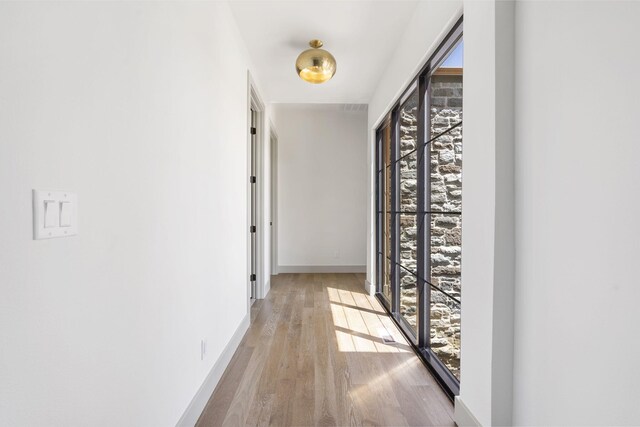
(62, 222)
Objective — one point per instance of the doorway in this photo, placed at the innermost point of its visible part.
(253, 206)
(273, 222)
(256, 218)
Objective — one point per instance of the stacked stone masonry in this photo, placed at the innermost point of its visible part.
(445, 194)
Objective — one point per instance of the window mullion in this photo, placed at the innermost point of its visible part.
(395, 205)
(379, 245)
(424, 218)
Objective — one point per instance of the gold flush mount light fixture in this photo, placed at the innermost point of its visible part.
(316, 65)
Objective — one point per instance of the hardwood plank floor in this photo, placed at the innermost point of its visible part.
(314, 355)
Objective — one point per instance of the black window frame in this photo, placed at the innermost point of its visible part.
(380, 213)
(420, 341)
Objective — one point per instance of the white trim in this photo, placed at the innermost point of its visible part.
(369, 288)
(273, 144)
(266, 289)
(463, 416)
(254, 100)
(322, 268)
(199, 401)
(248, 190)
(372, 262)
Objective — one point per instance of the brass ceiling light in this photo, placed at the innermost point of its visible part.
(316, 65)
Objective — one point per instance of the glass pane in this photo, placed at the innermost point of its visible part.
(408, 242)
(446, 172)
(386, 281)
(408, 266)
(408, 297)
(446, 93)
(454, 59)
(445, 102)
(407, 170)
(445, 148)
(408, 123)
(386, 207)
(408, 182)
(446, 253)
(386, 146)
(384, 198)
(380, 217)
(445, 330)
(387, 189)
(386, 242)
(387, 235)
(380, 266)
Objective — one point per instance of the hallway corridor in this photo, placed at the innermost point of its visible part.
(314, 355)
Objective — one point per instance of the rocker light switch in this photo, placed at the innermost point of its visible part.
(51, 214)
(55, 214)
(65, 214)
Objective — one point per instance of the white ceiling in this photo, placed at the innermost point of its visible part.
(361, 34)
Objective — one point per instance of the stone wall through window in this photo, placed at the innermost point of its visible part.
(446, 218)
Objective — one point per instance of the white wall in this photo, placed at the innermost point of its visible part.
(488, 213)
(322, 182)
(577, 204)
(264, 280)
(141, 109)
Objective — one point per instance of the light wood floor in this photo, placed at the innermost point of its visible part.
(314, 356)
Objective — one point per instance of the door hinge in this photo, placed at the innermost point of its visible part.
(252, 179)
(252, 278)
(253, 131)
(252, 229)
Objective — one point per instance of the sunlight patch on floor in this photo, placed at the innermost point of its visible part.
(361, 323)
(379, 383)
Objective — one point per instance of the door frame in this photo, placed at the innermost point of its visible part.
(274, 199)
(254, 102)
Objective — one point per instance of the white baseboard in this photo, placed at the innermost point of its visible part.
(266, 288)
(199, 401)
(322, 269)
(368, 286)
(463, 416)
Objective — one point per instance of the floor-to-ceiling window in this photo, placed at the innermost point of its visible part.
(384, 220)
(419, 210)
(406, 216)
